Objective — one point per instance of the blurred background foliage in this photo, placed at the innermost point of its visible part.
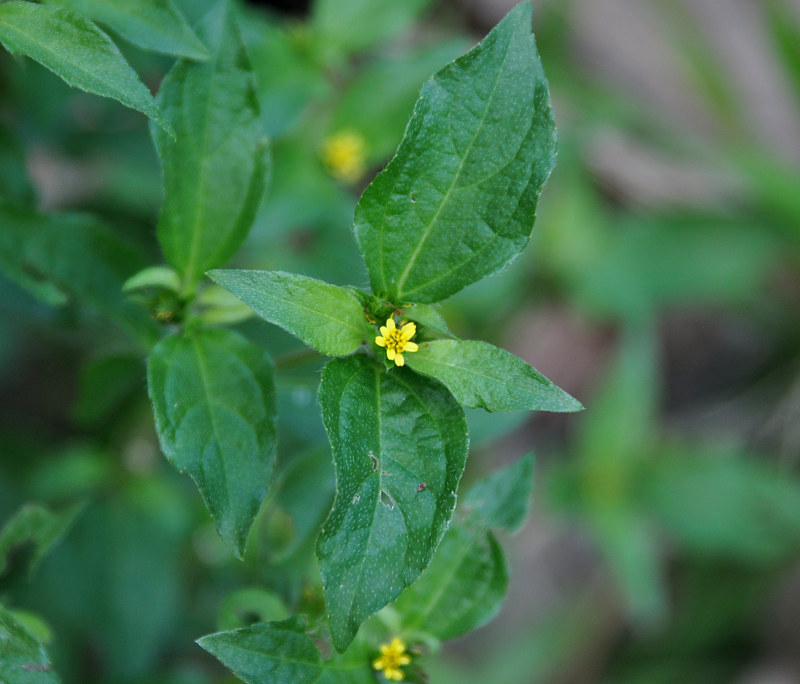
(662, 288)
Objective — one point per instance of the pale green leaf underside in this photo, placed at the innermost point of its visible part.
(326, 317)
(458, 200)
(214, 402)
(503, 499)
(155, 25)
(23, 660)
(37, 525)
(481, 375)
(76, 50)
(399, 446)
(281, 653)
(215, 168)
(462, 588)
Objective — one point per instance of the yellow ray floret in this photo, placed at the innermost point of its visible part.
(393, 657)
(397, 340)
(344, 155)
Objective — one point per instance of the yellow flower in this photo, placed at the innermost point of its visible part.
(343, 154)
(397, 340)
(393, 657)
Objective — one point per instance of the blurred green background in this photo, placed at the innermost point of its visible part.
(661, 287)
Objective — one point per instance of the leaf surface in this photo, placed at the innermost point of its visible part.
(458, 200)
(77, 51)
(23, 659)
(481, 375)
(399, 446)
(215, 168)
(155, 25)
(326, 317)
(214, 401)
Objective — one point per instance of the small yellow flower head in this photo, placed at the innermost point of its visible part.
(393, 657)
(343, 154)
(397, 340)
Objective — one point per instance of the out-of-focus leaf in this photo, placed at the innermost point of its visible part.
(104, 384)
(503, 499)
(14, 183)
(34, 524)
(246, 606)
(458, 200)
(215, 167)
(326, 317)
(354, 25)
(482, 376)
(51, 255)
(155, 25)
(399, 446)
(74, 48)
(379, 100)
(23, 659)
(214, 402)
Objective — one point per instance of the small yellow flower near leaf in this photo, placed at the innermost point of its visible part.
(343, 154)
(397, 340)
(393, 657)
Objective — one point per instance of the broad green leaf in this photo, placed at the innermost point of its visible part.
(504, 498)
(58, 255)
(74, 48)
(462, 588)
(23, 659)
(482, 376)
(399, 447)
(214, 402)
(155, 25)
(329, 318)
(427, 317)
(215, 168)
(353, 25)
(282, 653)
(34, 524)
(458, 200)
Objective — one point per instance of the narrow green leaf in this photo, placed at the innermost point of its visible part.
(53, 256)
(504, 498)
(399, 446)
(155, 25)
(37, 525)
(353, 25)
(23, 659)
(482, 376)
(215, 168)
(458, 200)
(282, 653)
(214, 402)
(326, 317)
(462, 589)
(76, 50)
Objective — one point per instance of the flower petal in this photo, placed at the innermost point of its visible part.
(404, 659)
(384, 331)
(390, 354)
(377, 664)
(411, 347)
(399, 360)
(380, 341)
(409, 330)
(389, 325)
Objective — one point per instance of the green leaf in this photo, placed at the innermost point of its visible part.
(504, 498)
(214, 402)
(282, 653)
(482, 376)
(37, 525)
(238, 608)
(23, 659)
(157, 277)
(215, 168)
(462, 589)
(353, 25)
(458, 200)
(155, 25)
(326, 317)
(76, 50)
(53, 256)
(14, 183)
(427, 317)
(399, 446)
